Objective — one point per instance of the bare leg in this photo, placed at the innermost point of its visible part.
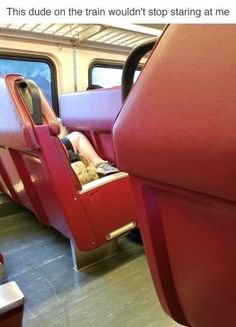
(82, 145)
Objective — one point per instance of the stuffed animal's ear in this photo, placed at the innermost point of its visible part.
(86, 161)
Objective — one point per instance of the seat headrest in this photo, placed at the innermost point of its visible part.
(16, 130)
(182, 111)
(16, 109)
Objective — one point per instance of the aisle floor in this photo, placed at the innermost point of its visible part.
(115, 292)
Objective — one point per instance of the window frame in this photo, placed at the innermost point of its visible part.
(43, 59)
(103, 63)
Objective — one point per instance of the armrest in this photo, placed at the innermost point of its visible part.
(11, 297)
(102, 181)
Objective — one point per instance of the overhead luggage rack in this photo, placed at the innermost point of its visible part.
(125, 36)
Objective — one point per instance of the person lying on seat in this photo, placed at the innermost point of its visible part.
(78, 145)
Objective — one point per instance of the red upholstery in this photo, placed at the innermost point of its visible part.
(18, 135)
(93, 112)
(49, 116)
(53, 187)
(12, 318)
(181, 154)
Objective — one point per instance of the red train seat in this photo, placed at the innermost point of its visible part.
(181, 155)
(90, 216)
(93, 113)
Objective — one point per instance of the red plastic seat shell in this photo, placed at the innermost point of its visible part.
(44, 175)
(176, 136)
(181, 113)
(12, 318)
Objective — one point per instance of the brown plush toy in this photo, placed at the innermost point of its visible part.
(85, 170)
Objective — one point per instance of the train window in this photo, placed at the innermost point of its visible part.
(40, 71)
(107, 75)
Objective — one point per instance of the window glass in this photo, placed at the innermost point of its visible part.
(108, 76)
(40, 72)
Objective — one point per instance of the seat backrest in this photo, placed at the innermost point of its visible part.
(44, 168)
(93, 112)
(181, 155)
(42, 162)
(12, 182)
